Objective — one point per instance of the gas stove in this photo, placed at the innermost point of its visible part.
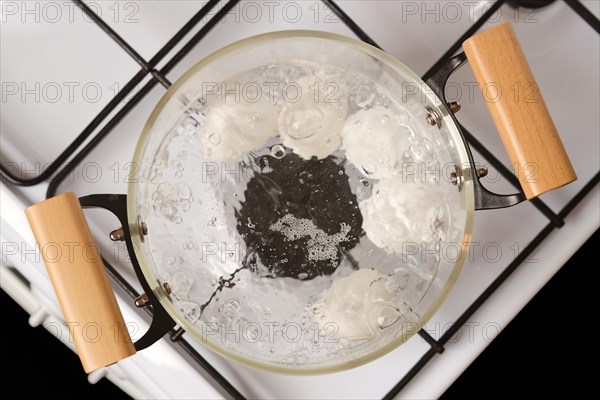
(79, 80)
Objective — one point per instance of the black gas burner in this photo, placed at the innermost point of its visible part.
(306, 201)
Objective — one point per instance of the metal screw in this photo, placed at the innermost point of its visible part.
(166, 287)
(117, 235)
(481, 172)
(454, 106)
(433, 117)
(142, 300)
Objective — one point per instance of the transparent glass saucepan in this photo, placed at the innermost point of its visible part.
(303, 202)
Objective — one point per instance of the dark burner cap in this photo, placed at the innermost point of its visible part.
(313, 209)
(529, 3)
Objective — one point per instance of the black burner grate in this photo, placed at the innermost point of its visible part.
(58, 170)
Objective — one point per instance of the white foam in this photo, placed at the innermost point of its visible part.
(320, 246)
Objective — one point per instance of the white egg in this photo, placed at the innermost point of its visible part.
(236, 126)
(375, 142)
(312, 115)
(400, 214)
(357, 306)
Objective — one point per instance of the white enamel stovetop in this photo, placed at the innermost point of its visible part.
(58, 70)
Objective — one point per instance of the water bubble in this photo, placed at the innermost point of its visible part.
(388, 316)
(191, 123)
(253, 119)
(213, 282)
(212, 222)
(340, 172)
(267, 314)
(187, 205)
(328, 74)
(357, 124)
(176, 165)
(167, 210)
(364, 181)
(369, 169)
(188, 246)
(214, 138)
(233, 306)
(177, 220)
(403, 117)
(304, 121)
(201, 103)
(364, 97)
(302, 275)
(240, 282)
(184, 192)
(170, 196)
(401, 278)
(171, 260)
(181, 285)
(290, 73)
(263, 163)
(271, 350)
(191, 311)
(421, 285)
(278, 151)
(385, 119)
(300, 359)
(252, 332)
(155, 175)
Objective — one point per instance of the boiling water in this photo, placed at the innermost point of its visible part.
(291, 208)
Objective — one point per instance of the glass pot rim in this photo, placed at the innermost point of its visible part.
(137, 237)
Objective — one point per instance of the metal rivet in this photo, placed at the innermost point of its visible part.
(117, 235)
(142, 228)
(433, 117)
(166, 287)
(456, 178)
(481, 172)
(142, 300)
(454, 106)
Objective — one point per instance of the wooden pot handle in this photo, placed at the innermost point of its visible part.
(80, 281)
(519, 111)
